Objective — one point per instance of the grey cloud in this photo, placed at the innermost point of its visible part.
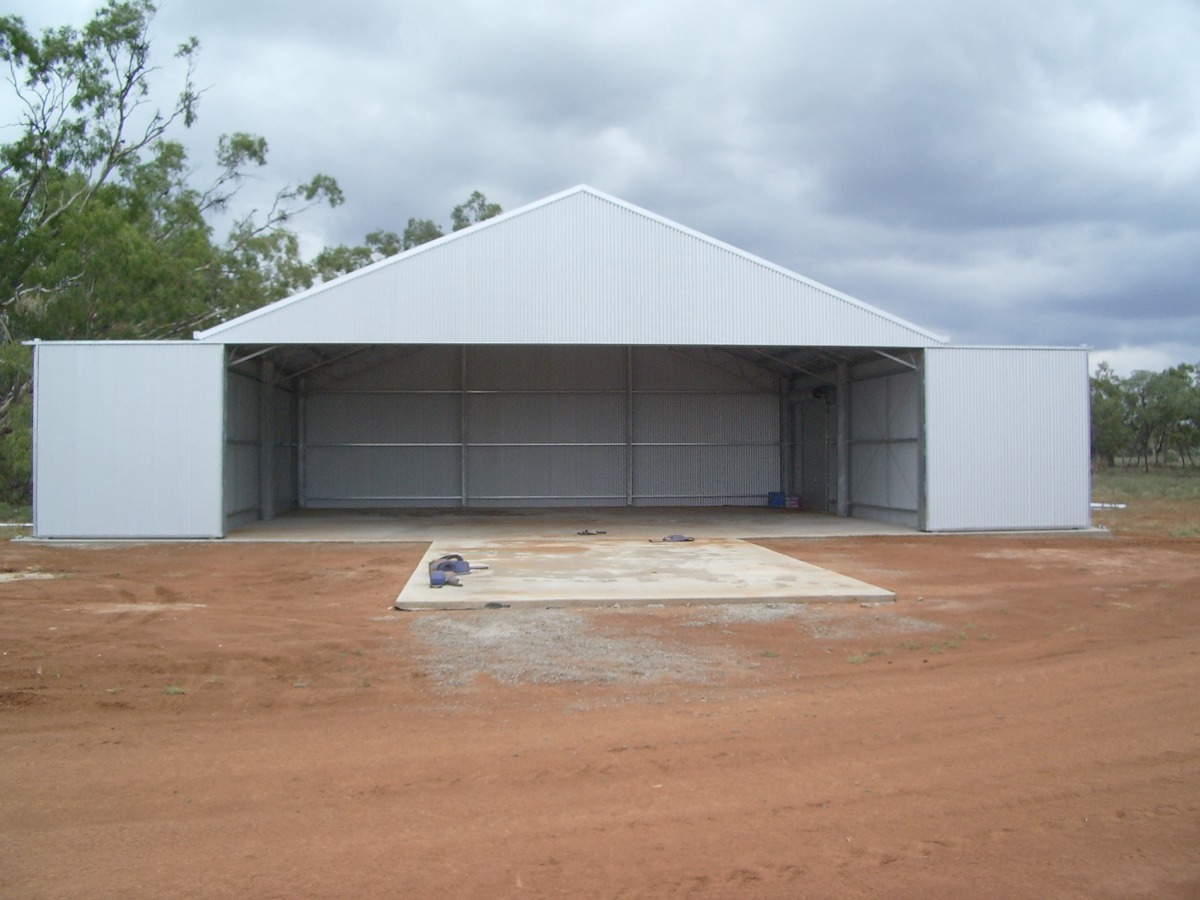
(1018, 172)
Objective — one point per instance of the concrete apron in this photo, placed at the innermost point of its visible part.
(612, 571)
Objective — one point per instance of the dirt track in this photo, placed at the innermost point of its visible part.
(219, 720)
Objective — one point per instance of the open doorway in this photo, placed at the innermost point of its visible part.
(815, 458)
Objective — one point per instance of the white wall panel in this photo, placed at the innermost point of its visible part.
(128, 439)
(1007, 438)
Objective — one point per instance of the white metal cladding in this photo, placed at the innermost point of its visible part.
(1007, 438)
(127, 439)
(884, 448)
(545, 426)
(576, 268)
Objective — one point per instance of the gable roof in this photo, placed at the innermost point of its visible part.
(579, 267)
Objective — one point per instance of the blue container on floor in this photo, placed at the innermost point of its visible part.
(775, 499)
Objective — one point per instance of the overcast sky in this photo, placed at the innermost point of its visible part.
(1025, 172)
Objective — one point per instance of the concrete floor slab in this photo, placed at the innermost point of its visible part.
(607, 571)
(551, 524)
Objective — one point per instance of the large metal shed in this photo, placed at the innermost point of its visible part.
(578, 351)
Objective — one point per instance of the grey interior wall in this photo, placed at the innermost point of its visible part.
(283, 457)
(718, 448)
(388, 436)
(247, 497)
(813, 457)
(545, 426)
(885, 425)
(242, 450)
(541, 426)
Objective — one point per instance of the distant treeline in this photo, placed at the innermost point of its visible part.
(1149, 418)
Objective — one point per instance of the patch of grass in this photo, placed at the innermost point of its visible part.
(971, 631)
(769, 654)
(1161, 501)
(174, 690)
(942, 646)
(1121, 485)
(860, 658)
(15, 513)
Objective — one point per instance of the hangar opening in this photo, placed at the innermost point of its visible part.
(479, 426)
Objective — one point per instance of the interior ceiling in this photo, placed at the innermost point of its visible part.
(324, 364)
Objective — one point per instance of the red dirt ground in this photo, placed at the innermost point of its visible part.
(216, 720)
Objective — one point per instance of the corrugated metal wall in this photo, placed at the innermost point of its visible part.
(241, 450)
(814, 458)
(1007, 438)
(284, 406)
(577, 269)
(128, 439)
(716, 449)
(884, 446)
(541, 426)
(259, 483)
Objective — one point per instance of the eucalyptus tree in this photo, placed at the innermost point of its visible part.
(102, 231)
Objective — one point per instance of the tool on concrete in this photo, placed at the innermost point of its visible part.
(439, 579)
(445, 570)
(451, 562)
(672, 539)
